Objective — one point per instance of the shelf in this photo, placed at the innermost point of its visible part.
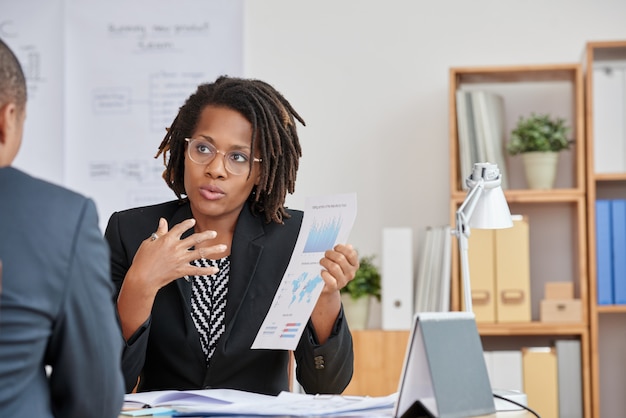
(515, 74)
(532, 328)
(610, 177)
(557, 218)
(611, 309)
(534, 196)
(605, 324)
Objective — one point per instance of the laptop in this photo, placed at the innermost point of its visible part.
(444, 373)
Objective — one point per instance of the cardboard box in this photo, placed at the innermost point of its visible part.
(559, 290)
(560, 310)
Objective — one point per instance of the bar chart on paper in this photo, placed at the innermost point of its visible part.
(327, 221)
(322, 235)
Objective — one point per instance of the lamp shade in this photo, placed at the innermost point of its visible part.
(490, 209)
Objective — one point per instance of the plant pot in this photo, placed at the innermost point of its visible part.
(540, 168)
(355, 310)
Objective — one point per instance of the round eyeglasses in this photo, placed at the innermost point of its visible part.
(203, 152)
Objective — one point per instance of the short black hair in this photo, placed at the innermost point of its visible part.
(12, 80)
(274, 136)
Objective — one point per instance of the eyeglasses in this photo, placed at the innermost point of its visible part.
(203, 152)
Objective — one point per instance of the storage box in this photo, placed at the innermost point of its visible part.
(513, 272)
(559, 290)
(560, 310)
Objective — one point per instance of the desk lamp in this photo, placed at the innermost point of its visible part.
(484, 207)
(444, 373)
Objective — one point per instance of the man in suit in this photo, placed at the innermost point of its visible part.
(56, 306)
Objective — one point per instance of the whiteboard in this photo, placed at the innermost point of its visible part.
(114, 75)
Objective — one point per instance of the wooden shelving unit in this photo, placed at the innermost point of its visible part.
(557, 217)
(606, 323)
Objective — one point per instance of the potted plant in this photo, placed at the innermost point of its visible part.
(539, 139)
(356, 295)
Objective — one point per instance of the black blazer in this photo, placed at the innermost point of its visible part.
(166, 352)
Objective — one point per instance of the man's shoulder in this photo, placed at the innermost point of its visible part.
(26, 185)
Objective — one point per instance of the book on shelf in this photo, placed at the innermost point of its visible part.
(618, 250)
(432, 288)
(609, 125)
(569, 372)
(490, 130)
(481, 131)
(604, 263)
(464, 132)
(611, 251)
(424, 273)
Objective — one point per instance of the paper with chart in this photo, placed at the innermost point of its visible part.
(327, 221)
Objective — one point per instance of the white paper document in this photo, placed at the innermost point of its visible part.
(234, 402)
(327, 221)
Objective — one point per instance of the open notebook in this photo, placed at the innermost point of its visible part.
(444, 373)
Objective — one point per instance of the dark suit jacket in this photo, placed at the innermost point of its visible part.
(55, 305)
(167, 353)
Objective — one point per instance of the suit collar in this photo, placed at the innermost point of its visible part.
(246, 250)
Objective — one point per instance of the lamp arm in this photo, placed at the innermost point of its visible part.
(466, 209)
(462, 232)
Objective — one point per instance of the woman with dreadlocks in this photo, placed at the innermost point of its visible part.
(197, 275)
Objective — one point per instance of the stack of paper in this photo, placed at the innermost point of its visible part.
(230, 401)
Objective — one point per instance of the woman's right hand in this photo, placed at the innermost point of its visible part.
(166, 257)
(157, 263)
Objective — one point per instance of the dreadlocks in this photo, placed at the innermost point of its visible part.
(274, 135)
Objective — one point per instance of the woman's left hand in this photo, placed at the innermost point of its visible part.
(340, 265)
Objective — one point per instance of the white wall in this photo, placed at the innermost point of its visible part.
(370, 78)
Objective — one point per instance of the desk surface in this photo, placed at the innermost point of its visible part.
(504, 414)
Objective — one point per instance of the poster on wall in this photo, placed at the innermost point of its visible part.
(106, 79)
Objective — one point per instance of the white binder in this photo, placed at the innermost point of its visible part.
(397, 279)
